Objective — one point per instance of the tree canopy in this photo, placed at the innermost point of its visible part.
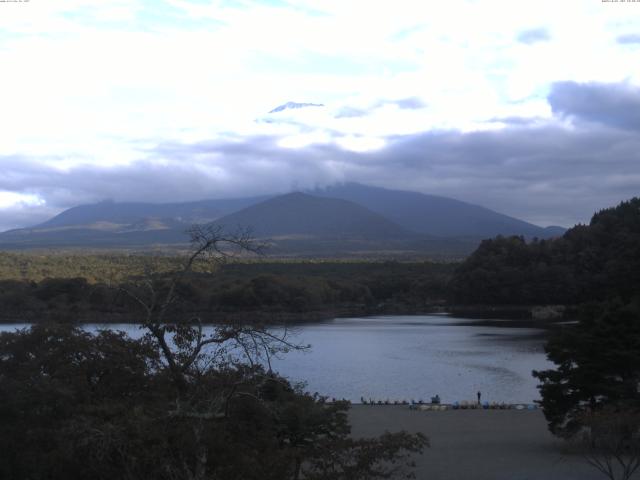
(589, 262)
(598, 366)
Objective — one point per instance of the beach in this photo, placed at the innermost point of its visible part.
(478, 444)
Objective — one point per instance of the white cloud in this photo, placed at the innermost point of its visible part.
(93, 83)
(12, 199)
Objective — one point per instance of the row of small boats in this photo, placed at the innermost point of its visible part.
(474, 406)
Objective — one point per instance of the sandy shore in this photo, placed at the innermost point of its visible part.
(478, 444)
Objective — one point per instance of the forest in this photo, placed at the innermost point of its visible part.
(588, 263)
(37, 288)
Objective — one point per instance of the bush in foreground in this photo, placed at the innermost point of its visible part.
(76, 405)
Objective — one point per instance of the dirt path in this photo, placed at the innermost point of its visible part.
(478, 444)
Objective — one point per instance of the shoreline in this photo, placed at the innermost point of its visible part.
(443, 407)
(512, 316)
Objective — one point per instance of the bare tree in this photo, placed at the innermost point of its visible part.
(189, 353)
(185, 347)
(224, 371)
(610, 441)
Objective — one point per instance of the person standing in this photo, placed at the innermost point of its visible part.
(479, 395)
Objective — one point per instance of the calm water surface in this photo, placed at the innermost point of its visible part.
(411, 357)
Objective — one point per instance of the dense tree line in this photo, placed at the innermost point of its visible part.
(589, 262)
(240, 288)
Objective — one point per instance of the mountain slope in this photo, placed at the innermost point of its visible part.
(300, 214)
(305, 225)
(342, 218)
(296, 217)
(434, 215)
(111, 224)
(134, 212)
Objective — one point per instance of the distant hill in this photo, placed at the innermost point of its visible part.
(304, 215)
(338, 219)
(433, 215)
(129, 224)
(135, 212)
(302, 224)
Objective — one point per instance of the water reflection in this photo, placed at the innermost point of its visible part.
(416, 357)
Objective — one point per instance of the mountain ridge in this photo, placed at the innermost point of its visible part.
(304, 214)
(294, 106)
(129, 212)
(436, 215)
(344, 217)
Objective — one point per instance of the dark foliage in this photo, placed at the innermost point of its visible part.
(589, 263)
(598, 367)
(295, 288)
(67, 396)
(75, 405)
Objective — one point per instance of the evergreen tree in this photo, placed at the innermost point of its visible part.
(598, 366)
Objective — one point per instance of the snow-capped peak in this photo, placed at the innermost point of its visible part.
(294, 105)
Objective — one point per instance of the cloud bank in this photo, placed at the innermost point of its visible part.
(531, 109)
(524, 169)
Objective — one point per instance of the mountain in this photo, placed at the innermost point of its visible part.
(434, 215)
(129, 213)
(553, 231)
(304, 215)
(112, 224)
(294, 106)
(342, 218)
(308, 225)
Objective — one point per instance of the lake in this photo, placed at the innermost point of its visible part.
(411, 357)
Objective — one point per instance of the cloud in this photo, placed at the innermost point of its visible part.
(173, 172)
(534, 35)
(527, 172)
(520, 121)
(539, 170)
(628, 39)
(616, 105)
(166, 100)
(351, 112)
(409, 103)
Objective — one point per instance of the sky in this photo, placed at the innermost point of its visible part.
(530, 108)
